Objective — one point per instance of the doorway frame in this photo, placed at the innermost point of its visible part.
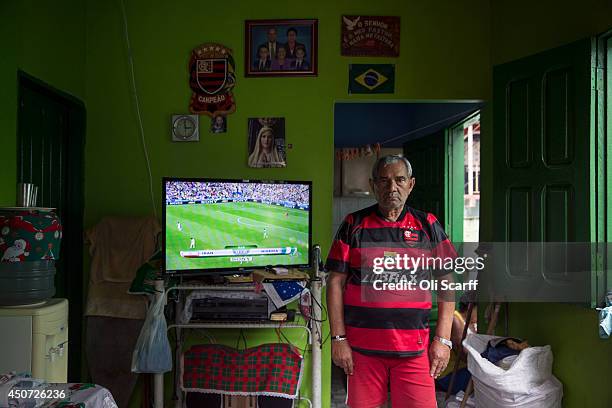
(454, 169)
(601, 159)
(449, 203)
(75, 198)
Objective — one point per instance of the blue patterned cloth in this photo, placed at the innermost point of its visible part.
(284, 292)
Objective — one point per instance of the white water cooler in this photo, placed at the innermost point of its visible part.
(34, 338)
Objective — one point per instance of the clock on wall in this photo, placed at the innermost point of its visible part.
(185, 128)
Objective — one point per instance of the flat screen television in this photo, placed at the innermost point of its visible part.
(215, 226)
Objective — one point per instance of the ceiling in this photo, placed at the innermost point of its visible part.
(360, 124)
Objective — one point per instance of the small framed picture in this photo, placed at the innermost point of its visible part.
(280, 48)
(267, 143)
(218, 124)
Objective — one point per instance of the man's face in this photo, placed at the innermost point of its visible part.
(291, 36)
(392, 185)
(272, 35)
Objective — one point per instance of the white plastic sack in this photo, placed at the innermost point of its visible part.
(528, 382)
(152, 353)
(455, 401)
(548, 395)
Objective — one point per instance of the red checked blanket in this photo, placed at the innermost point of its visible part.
(268, 369)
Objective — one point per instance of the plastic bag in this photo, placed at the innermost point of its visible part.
(152, 353)
(527, 382)
(455, 401)
(547, 395)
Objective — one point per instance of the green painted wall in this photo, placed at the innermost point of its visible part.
(523, 27)
(435, 38)
(583, 362)
(46, 40)
(78, 48)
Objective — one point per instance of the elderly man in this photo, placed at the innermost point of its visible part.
(381, 338)
(271, 44)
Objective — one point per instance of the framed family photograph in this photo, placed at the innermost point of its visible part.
(280, 48)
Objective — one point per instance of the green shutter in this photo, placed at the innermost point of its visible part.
(546, 162)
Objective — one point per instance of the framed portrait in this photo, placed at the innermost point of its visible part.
(267, 143)
(218, 124)
(280, 48)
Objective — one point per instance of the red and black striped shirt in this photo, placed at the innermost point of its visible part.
(386, 322)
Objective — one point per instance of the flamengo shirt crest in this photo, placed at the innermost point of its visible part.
(386, 322)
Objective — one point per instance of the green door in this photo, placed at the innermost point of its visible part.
(544, 167)
(50, 134)
(427, 156)
(431, 157)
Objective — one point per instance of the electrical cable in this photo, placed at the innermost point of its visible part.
(242, 337)
(323, 308)
(310, 314)
(326, 338)
(137, 103)
(280, 334)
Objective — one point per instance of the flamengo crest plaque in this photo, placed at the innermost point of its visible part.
(211, 78)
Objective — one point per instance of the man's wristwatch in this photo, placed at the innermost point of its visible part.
(341, 337)
(444, 341)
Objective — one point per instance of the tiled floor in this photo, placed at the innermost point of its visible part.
(338, 388)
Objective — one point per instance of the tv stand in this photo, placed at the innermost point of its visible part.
(312, 328)
(213, 279)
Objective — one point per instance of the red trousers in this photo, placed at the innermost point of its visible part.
(411, 384)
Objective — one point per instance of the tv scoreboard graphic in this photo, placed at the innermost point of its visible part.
(286, 203)
(238, 254)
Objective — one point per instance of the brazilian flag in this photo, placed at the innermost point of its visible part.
(371, 78)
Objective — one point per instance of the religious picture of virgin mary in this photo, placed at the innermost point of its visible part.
(267, 142)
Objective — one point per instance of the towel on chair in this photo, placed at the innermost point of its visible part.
(118, 247)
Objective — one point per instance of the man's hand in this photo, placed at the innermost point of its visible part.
(439, 354)
(342, 356)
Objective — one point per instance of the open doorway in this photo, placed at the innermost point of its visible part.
(471, 197)
(441, 139)
(467, 134)
(51, 147)
(423, 132)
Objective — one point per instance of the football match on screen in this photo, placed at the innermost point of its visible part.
(220, 225)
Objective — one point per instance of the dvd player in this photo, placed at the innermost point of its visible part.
(222, 308)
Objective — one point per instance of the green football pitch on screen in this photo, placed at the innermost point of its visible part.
(236, 225)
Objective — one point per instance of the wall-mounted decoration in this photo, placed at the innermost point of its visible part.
(267, 142)
(211, 78)
(280, 48)
(218, 124)
(371, 78)
(185, 128)
(370, 36)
